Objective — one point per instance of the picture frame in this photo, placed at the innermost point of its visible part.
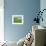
(17, 19)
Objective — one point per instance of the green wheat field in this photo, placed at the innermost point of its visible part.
(17, 20)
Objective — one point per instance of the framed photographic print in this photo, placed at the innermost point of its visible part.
(17, 19)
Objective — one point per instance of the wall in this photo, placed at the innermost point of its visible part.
(19, 7)
(43, 6)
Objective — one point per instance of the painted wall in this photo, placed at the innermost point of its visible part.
(19, 7)
(43, 6)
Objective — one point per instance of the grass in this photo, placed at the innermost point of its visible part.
(17, 20)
